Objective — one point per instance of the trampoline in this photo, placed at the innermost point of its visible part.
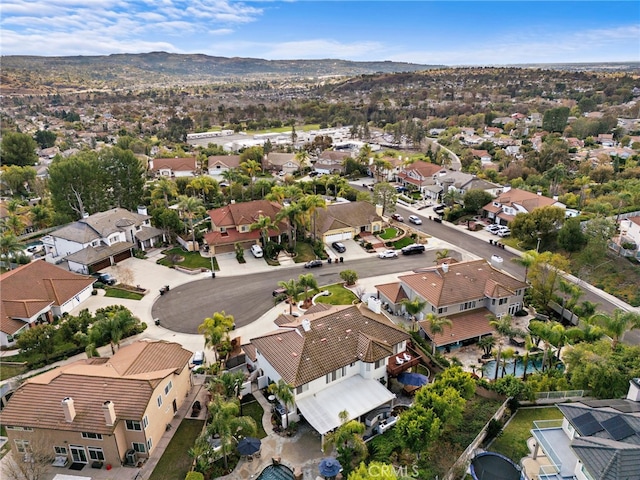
(493, 466)
(276, 472)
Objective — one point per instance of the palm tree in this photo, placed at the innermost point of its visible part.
(227, 384)
(502, 325)
(203, 184)
(308, 283)
(413, 307)
(251, 168)
(487, 343)
(227, 425)
(111, 326)
(567, 289)
(216, 329)
(347, 440)
(9, 246)
(617, 324)
(264, 224)
(292, 213)
(40, 216)
(164, 189)
(528, 345)
(527, 259)
(191, 208)
(380, 165)
(507, 354)
(436, 325)
(291, 290)
(442, 254)
(309, 206)
(301, 158)
(284, 392)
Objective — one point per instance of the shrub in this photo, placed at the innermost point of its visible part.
(194, 476)
(494, 429)
(349, 276)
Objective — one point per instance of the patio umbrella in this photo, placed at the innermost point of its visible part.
(329, 467)
(413, 379)
(248, 446)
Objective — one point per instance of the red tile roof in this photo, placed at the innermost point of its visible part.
(174, 164)
(465, 326)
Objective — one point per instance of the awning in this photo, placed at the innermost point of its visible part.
(356, 395)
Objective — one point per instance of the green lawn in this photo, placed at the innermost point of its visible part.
(8, 371)
(120, 293)
(339, 295)
(304, 252)
(403, 242)
(254, 410)
(175, 462)
(513, 440)
(177, 256)
(389, 233)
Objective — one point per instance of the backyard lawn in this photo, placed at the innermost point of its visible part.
(178, 256)
(8, 371)
(339, 295)
(513, 440)
(121, 293)
(254, 410)
(175, 463)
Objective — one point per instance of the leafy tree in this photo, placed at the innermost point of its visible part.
(349, 276)
(381, 165)
(543, 275)
(45, 138)
(284, 392)
(41, 215)
(228, 384)
(541, 223)
(18, 149)
(475, 199)
(264, 224)
(418, 428)
(487, 343)
(124, 177)
(348, 442)
(413, 307)
(386, 195)
(570, 236)
(292, 291)
(18, 179)
(446, 403)
(39, 339)
(457, 378)
(216, 329)
(292, 213)
(555, 119)
(373, 471)
(309, 205)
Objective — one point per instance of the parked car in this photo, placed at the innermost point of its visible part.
(388, 254)
(313, 264)
(439, 209)
(198, 358)
(257, 250)
(493, 228)
(504, 232)
(397, 217)
(413, 248)
(415, 220)
(339, 247)
(105, 278)
(278, 291)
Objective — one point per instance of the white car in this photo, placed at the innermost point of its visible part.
(493, 228)
(257, 250)
(388, 254)
(415, 220)
(504, 232)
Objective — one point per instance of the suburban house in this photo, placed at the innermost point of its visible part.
(330, 162)
(418, 175)
(104, 410)
(281, 162)
(102, 239)
(387, 175)
(606, 140)
(231, 224)
(26, 225)
(446, 180)
(482, 155)
(596, 439)
(512, 201)
(629, 237)
(343, 221)
(218, 164)
(466, 293)
(173, 167)
(336, 358)
(37, 293)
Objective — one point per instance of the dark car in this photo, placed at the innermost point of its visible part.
(313, 264)
(414, 248)
(105, 278)
(339, 247)
(397, 217)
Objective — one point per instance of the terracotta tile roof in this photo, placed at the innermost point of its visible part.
(338, 336)
(127, 379)
(250, 351)
(393, 291)
(480, 153)
(243, 213)
(278, 159)
(463, 282)
(333, 156)
(341, 215)
(465, 326)
(528, 200)
(30, 288)
(425, 169)
(229, 161)
(174, 164)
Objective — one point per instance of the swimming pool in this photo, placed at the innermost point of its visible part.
(276, 472)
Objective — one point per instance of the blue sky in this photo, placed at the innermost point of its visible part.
(425, 32)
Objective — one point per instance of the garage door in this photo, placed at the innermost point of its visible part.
(99, 265)
(122, 256)
(337, 237)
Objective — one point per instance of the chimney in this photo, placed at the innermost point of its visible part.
(68, 409)
(445, 267)
(379, 210)
(109, 412)
(142, 209)
(306, 325)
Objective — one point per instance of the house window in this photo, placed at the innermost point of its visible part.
(96, 454)
(22, 446)
(133, 425)
(21, 429)
(442, 309)
(502, 301)
(379, 363)
(60, 450)
(93, 436)
(327, 378)
(467, 305)
(302, 388)
(139, 447)
(145, 422)
(149, 444)
(159, 400)
(168, 388)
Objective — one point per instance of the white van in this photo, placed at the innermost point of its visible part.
(198, 358)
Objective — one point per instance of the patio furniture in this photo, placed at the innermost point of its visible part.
(406, 356)
(399, 361)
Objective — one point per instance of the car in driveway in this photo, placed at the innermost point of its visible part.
(388, 254)
(313, 264)
(413, 248)
(415, 220)
(105, 278)
(504, 232)
(493, 228)
(397, 217)
(256, 250)
(339, 247)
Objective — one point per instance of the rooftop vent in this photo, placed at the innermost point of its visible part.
(306, 324)
(445, 267)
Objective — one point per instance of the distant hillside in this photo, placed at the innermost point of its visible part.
(22, 74)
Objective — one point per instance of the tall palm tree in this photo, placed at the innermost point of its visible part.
(414, 308)
(527, 259)
(569, 290)
(9, 246)
(215, 329)
(381, 165)
(191, 208)
(251, 168)
(227, 425)
(502, 325)
(310, 204)
(507, 354)
(301, 158)
(204, 185)
(436, 325)
(264, 224)
(284, 392)
(291, 290)
(308, 283)
(487, 343)
(617, 324)
(165, 188)
(292, 214)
